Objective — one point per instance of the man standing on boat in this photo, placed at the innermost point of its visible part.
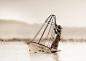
(57, 29)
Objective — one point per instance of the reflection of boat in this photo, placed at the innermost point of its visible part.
(46, 29)
(56, 56)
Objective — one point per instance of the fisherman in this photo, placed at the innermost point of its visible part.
(57, 29)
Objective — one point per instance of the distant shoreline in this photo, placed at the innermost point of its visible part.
(29, 39)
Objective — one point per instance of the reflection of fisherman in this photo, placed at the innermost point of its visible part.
(57, 30)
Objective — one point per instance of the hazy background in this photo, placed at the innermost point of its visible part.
(71, 14)
(9, 29)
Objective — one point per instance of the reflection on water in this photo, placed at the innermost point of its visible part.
(19, 51)
(44, 57)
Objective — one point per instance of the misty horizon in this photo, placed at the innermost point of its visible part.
(19, 29)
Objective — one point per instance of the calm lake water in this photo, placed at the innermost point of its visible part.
(19, 51)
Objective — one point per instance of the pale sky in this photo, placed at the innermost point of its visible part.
(68, 12)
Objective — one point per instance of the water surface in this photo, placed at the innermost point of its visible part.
(19, 51)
